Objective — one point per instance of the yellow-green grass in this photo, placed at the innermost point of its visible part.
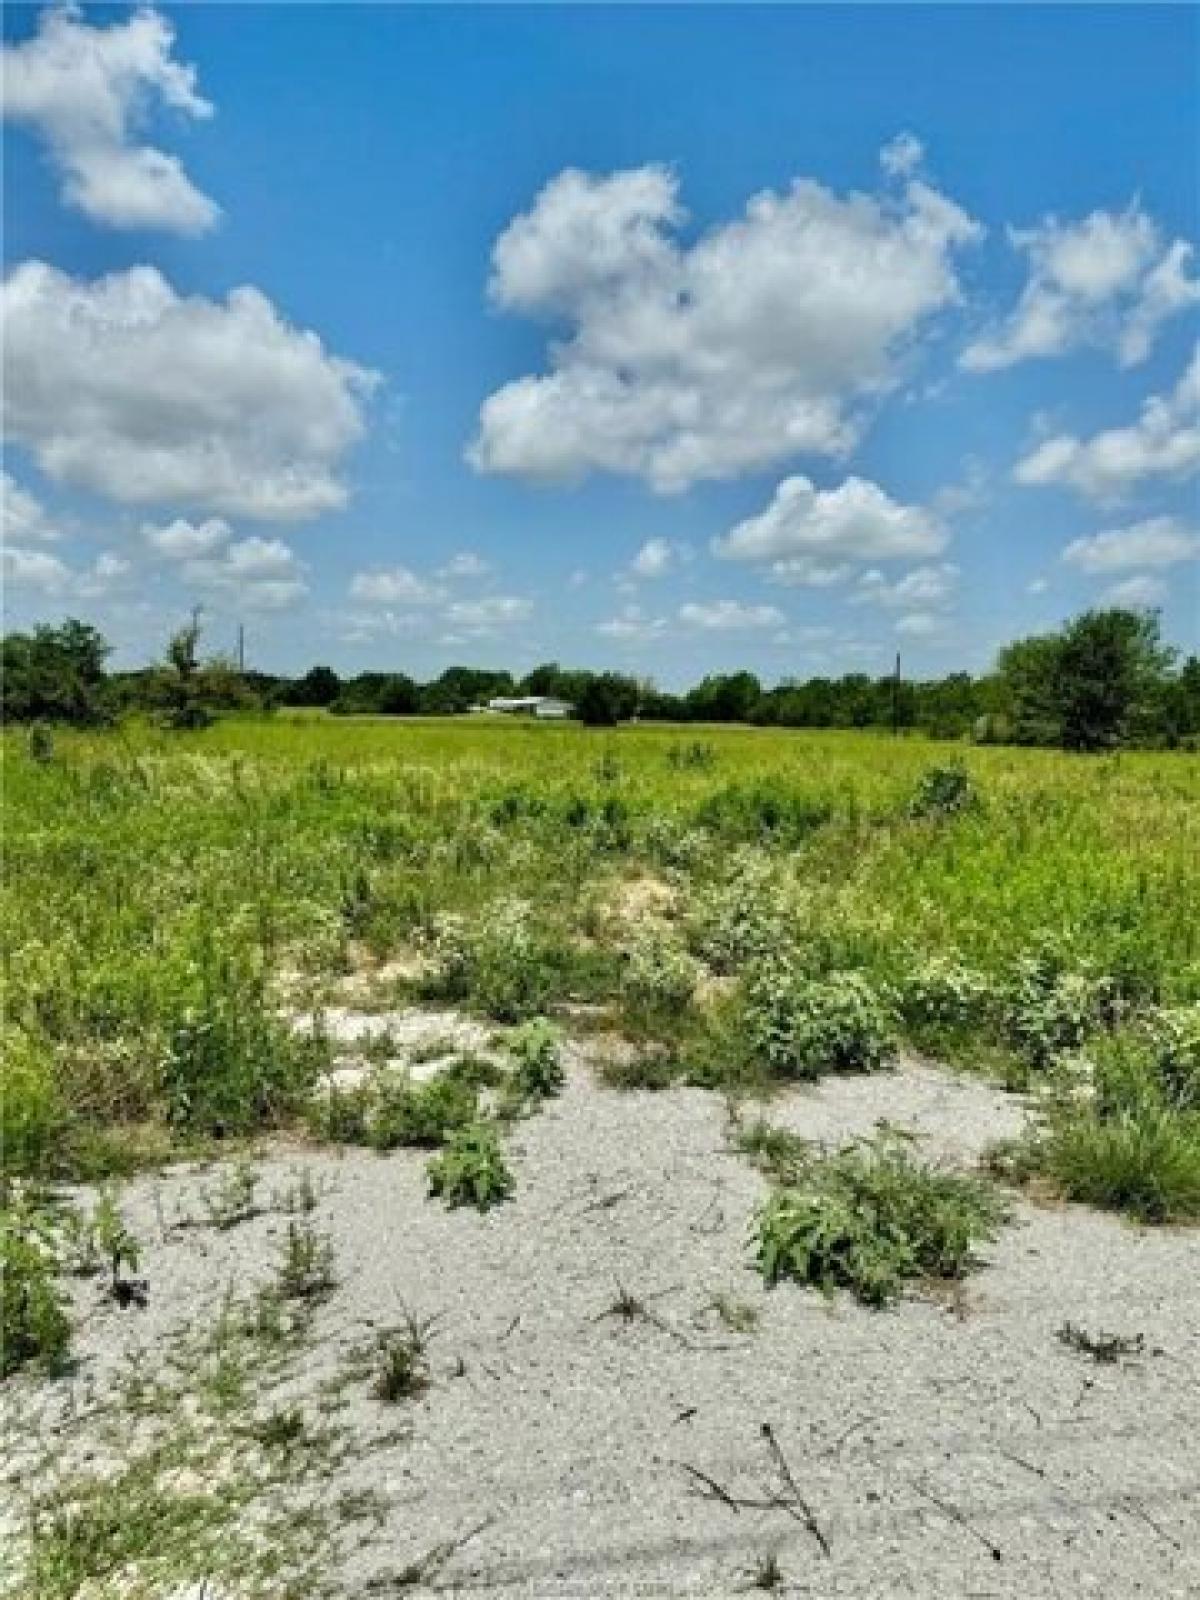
(146, 872)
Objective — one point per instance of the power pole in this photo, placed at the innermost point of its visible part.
(241, 649)
(896, 699)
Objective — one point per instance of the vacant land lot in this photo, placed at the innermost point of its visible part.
(519, 1159)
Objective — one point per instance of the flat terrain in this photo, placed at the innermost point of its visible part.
(947, 1446)
(266, 982)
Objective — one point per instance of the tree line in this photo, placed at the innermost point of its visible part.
(1103, 680)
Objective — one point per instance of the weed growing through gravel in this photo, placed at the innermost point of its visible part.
(306, 1270)
(471, 1169)
(402, 1359)
(871, 1218)
(536, 1051)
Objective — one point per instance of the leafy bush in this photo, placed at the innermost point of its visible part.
(1120, 1127)
(34, 1328)
(940, 993)
(1048, 1008)
(502, 963)
(471, 1170)
(536, 1049)
(802, 1027)
(943, 792)
(744, 916)
(764, 809)
(400, 1112)
(231, 1066)
(658, 976)
(871, 1218)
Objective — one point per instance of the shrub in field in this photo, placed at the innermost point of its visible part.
(471, 1170)
(536, 1050)
(1121, 1126)
(502, 962)
(802, 1027)
(742, 917)
(34, 1329)
(231, 1066)
(401, 1112)
(666, 840)
(31, 1111)
(658, 977)
(1049, 1008)
(764, 809)
(871, 1218)
(940, 993)
(943, 792)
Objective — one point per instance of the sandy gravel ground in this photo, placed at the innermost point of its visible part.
(952, 1449)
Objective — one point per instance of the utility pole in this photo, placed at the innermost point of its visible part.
(241, 649)
(896, 699)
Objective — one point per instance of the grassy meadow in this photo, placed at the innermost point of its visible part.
(159, 885)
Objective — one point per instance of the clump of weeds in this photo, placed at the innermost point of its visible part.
(306, 1271)
(402, 1359)
(471, 1169)
(872, 1218)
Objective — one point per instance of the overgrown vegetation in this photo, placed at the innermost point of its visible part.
(869, 1218)
(1120, 1122)
(773, 907)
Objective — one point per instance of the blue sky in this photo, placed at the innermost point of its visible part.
(673, 339)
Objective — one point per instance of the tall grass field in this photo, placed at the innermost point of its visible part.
(999, 905)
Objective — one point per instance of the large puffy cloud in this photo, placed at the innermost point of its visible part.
(815, 536)
(1163, 443)
(85, 90)
(1154, 542)
(123, 387)
(684, 363)
(1108, 279)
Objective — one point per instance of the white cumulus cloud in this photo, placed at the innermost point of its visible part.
(756, 343)
(22, 515)
(812, 536)
(727, 616)
(256, 574)
(123, 387)
(1154, 542)
(86, 90)
(394, 586)
(1108, 279)
(1163, 443)
(654, 559)
(925, 587)
(182, 540)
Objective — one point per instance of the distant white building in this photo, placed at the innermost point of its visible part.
(532, 705)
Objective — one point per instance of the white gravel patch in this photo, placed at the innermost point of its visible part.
(944, 1451)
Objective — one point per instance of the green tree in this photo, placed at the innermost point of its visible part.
(55, 674)
(1113, 672)
(607, 698)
